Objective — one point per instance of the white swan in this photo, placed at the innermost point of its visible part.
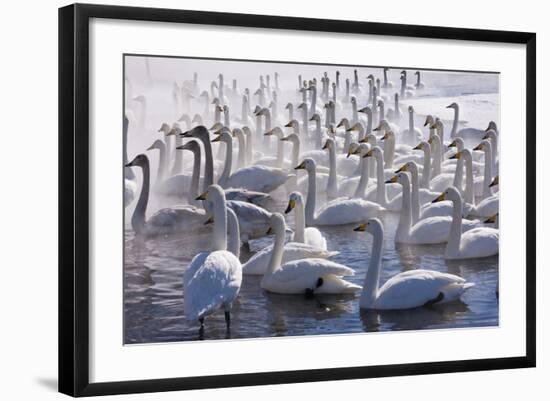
(213, 279)
(471, 136)
(167, 220)
(431, 230)
(419, 84)
(304, 276)
(254, 178)
(384, 195)
(411, 135)
(307, 235)
(476, 243)
(407, 290)
(488, 206)
(339, 211)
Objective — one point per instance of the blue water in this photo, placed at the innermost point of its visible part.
(154, 293)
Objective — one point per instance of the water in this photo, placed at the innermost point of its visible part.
(154, 292)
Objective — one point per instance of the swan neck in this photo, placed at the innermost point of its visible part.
(220, 226)
(300, 223)
(311, 197)
(381, 197)
(364, 178)
(228, 162)
(427, 167)
(233, 232)
(405, 217)
(372, 277)
(453, 244)
(277, 252)
(487, 176)
(138, 218)
(415, 197)
(332, 185)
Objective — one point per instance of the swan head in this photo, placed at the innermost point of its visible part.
(406, 167)
(422, 145)
(292, 138)
(329, 144)
(429, 120)
(175, 130)
(276, 224)
(204, 94)
(403, 72)
(237, 132)
(374, 151)
(491, 219)
(458, 143)
(484, 144)
(380, 103)
(382, 126)
(213, 193)
(453, 105)
(388, 135)
(274, 131)
(199, 131)
(215, 100)
(216, 126)
(355, 127)
(246, 130)
(494, 183)
(457, 155)
(191, 145)
(224, 136)
(289, 106)
(490, 134)
(450, 193)
(315, 117)
(292, 124)
(139, 160)
(343, 122)
(492, 126)
(399, 178)
(417, 73)
(372, 226)
(295, 198)
(197, 119)
(308, 165)
(411, 109)
(353, 100)
(353, 149)
(367, 110)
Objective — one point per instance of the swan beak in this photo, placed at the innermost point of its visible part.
(455, 156)
(433, 126)
(202, 196)
(384, 137)
(349, 153)
(494, 183)
(402, 168)
(312, 119)
(288, 124)
(269, 231)
(452, 144)
(209, 221)
(377, 128)
(361, 227)
(151, 147)
(129, 164)
(426, 122)
(418, 147)
(291, 205)
(217, 139)
(340, 124)
(326, 145)
(478, 147)
(285, 138)
(349, 129)
(391, 180)
(492, 219)
(182, 147)
(364, 140)
(440, 198)
(268, 133)
(369, 153)
(485, 137)
(301, 166)
(449, 106)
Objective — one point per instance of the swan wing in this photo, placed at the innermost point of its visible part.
(346, 211)
(212, 281)
(253, 219)
(419, 287)
(314, 237)
(258, 178)
(176, 218)
(479, 242)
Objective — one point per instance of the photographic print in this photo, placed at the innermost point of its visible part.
(278, 199)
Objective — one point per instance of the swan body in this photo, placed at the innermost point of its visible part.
(307, 235)
(407, 290)
(213, 279)
(304, 276)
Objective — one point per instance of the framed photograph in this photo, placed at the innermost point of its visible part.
(250, 199)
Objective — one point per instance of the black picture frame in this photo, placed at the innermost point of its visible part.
(74, 201)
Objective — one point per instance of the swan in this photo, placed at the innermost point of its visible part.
(471, 136)
(213, 279)
(419, 84)
(339, 211)
(412, 135)
(430, 230)
(476, 243)
(482, 186)
(130, 182)
(384, 195)
(167, 220)
(386, 83)
(488, 206)
(491, 136)
(307, 235)
(253, 178)
(407, 290)
(305, 276)
(356, 186)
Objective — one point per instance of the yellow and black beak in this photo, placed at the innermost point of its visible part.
(300, 166)
(402, 168)
(209, 221)
(268, 133)
(202, 196)
(478, 147)
(377, 128)
(326, 145)
(433, 126)
(288, 124)
(494, 183)
(291, 205)
(391, 180)
(369, 153)
(365, 139)
(440, 198)
(361, 227)
(312, 118)
(492, 219)
(455, 156)
(285, 138)
(452, 144)
(384, 137)
(269, 231)
(217, 139)
(418, 147)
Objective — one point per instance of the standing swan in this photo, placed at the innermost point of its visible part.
(477, 243)
(213, 279)
(407, 290)
(305, 276)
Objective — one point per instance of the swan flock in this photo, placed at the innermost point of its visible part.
(267, 170)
